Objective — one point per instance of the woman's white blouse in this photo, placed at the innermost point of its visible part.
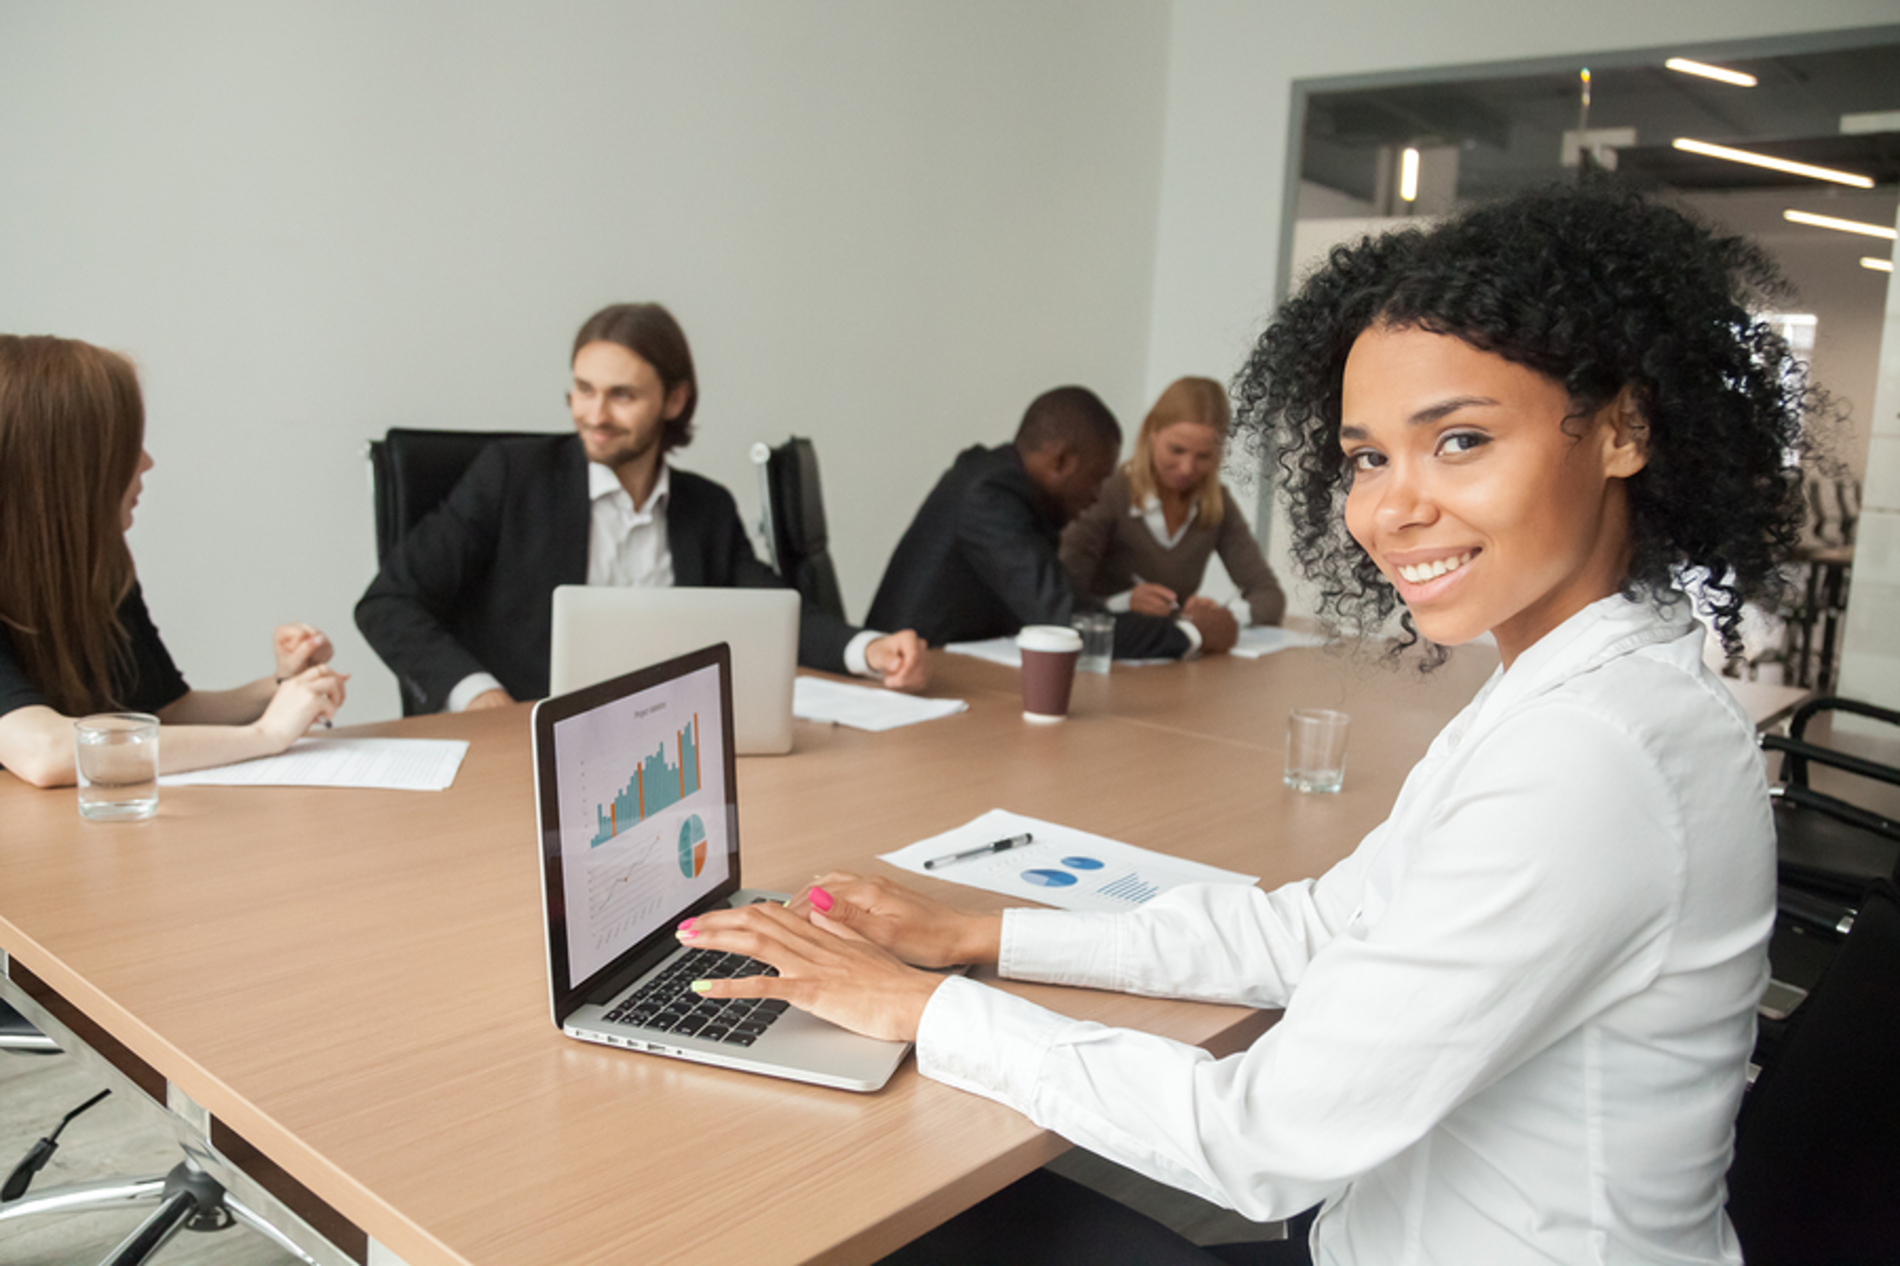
(1517, 1016)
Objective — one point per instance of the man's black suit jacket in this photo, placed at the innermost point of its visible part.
(981, 559)
(470, 588)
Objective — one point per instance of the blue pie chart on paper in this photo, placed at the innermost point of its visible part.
(1048, 878)
(1082, 863)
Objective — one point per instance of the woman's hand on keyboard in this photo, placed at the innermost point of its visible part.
(823, 967)
(908, 924)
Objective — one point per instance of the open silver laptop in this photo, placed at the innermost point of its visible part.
(601, 632)
(637, 806)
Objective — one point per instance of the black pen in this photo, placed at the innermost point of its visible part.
(1000, 846)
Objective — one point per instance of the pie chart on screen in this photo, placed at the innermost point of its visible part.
(692, 847)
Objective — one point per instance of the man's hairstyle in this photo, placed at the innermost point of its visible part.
(650, 332)
(1074, 415)
(1599, 289)
(72, 426)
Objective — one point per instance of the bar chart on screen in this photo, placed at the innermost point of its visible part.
(656, 784)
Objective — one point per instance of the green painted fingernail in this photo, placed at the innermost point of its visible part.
(701, 986)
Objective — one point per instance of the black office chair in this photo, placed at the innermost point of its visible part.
(1829, 849)
(1816, 1175)
(795, 522)
(412, 471)
(187, 1197)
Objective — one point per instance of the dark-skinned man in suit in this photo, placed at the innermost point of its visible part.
(981, 558)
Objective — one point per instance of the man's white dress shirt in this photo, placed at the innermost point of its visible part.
(627, 546)
(1517, 1016)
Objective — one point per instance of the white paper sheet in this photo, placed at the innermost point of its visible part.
(392, 764)
(866, 707)
(1062, 866)
(998, 650)
(1264, 639)
(1002, 650)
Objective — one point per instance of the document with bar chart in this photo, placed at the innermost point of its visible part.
(1060, 866)
(643, 813)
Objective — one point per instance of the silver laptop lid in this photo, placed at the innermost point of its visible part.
(602, 631)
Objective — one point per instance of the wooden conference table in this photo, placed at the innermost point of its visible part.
(352, 983)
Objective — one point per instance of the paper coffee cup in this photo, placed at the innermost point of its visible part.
(1049, 653)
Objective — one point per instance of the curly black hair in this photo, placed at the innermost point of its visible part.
(1598, 288)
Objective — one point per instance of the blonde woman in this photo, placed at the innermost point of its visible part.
(75, 636)
(1144, 545)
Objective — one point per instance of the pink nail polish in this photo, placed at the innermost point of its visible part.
(686, 926)
(821, 900)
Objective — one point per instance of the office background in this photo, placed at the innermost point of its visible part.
(885, 224)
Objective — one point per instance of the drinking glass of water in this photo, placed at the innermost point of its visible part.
(1316, 749)
(117, 757)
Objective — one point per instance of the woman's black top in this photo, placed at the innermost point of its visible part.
(146, 682)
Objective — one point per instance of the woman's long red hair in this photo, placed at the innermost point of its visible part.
(72, 426)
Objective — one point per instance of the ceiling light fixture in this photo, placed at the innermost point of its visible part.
(1408, 175)
(1774, 164)
(1877, 264)
(1845, 226)
(1707, 71)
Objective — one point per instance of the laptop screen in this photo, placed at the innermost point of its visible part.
(641, 827)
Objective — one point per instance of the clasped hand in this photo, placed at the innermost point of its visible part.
(308, 689)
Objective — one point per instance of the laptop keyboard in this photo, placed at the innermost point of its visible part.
(668, 1003)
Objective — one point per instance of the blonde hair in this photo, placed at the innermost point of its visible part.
(1201, 401)
(72, 426)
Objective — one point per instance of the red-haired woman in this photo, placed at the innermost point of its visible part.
(75, 636)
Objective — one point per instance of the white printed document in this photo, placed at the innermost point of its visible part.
(998, 650)
(1264, 639)
(1060, 866)
(1003, 650)
(866, 707)
(392, 764)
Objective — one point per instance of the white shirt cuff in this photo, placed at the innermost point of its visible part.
(1193, 637)
(1062, 947)
(985, 1041)
(1120, 602)
(854, 654)
(470, 686)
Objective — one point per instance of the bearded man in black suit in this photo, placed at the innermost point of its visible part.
(461, 608)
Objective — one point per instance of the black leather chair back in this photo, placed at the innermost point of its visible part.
(796, 514)
(412, 471)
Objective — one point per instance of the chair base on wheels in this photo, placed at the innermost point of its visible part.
(187, 1198)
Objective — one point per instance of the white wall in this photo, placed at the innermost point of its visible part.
(883, 224)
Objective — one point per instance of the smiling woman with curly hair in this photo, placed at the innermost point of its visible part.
(1518, 1015)
(1604, 293)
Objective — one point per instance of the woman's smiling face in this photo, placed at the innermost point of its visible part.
(1480, 499)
